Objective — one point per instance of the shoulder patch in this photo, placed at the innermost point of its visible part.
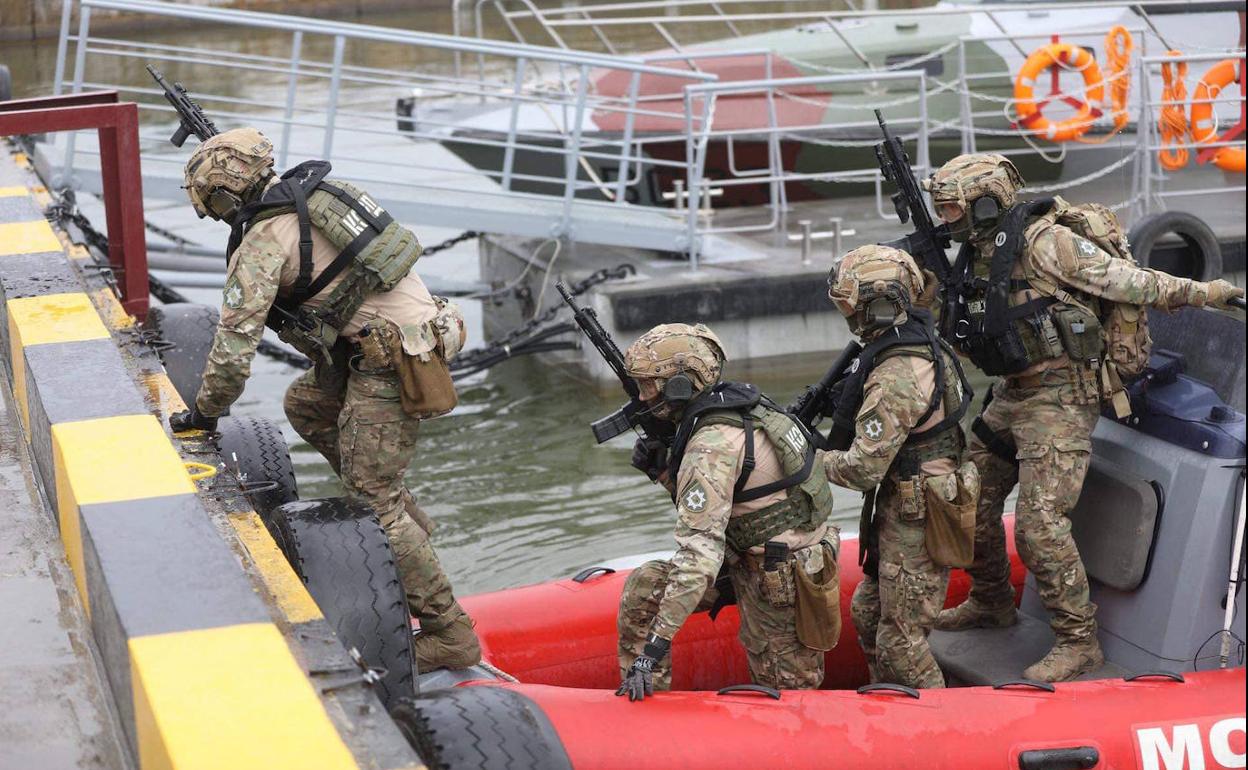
(871, 425)
(233, 294)
(1086, 248)
(694, 498)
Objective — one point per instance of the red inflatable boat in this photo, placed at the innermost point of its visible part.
(558, 640)
(1159, 526)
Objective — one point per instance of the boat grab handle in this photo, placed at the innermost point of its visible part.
(589, 572)
(761, 689)
(1150, 674)
(1025, 683)
(909, 692)
(1079, 758)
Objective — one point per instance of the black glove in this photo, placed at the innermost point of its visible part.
(191, 420)
(639, 681)
(650, 457)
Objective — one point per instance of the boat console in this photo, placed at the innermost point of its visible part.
(1155, 520)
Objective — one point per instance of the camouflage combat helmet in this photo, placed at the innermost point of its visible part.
(968, 177)
(868, 275)
(671, 349)
(225, 169)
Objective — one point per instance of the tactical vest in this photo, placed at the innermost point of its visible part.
(1004, 338)
(374, 251)
(809, 500)
(915, 337)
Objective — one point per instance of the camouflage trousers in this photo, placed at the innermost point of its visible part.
(768, 633)
(362, 430)
(1052, 432)
(894, 613)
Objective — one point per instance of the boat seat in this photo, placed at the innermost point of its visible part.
(987, 656)
(1115, 523)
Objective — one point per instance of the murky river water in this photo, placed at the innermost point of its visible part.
(519, 489)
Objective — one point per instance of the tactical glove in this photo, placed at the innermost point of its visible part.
(1220, 293)
(191, 419)
(639, 681)
(650, 457)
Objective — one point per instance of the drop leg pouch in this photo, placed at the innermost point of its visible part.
(819, 604)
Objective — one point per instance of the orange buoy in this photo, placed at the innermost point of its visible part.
(1204, 128)
(1066, 56)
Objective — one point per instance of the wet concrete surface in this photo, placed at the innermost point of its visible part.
(54, 710)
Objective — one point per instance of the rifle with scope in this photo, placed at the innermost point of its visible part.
(928, 242)
(635, 413)
(190, 114)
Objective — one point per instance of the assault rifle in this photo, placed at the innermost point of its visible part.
(928, 242)
(192, 117)
(634, 414)
(819, 400)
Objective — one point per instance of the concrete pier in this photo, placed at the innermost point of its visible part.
(148, 621)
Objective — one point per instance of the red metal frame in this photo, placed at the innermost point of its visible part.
(120, 172)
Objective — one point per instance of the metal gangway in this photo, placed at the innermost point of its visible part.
(331, 94)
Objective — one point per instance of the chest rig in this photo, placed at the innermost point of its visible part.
(915, 337)
(809, 500)
(1004, 337)
(374, 253)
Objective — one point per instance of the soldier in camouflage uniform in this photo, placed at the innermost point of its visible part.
(727, 516)
(905, 406)
(1036, 431)
(350, 412)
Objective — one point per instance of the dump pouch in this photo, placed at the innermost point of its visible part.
(819, 603)
(426, 389)
(952, 500)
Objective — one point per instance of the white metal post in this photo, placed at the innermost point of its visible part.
(292, 82)
(331, 111)
(509, 154)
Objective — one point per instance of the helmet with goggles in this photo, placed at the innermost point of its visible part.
(682, 359)
(873, 286)
(981, 184)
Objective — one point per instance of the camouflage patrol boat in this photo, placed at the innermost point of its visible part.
(970, 55)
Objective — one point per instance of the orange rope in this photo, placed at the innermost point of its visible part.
(1173, 119)
(1118, 47)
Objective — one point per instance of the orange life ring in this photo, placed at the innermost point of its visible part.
(1066, 56)
(1204, 130)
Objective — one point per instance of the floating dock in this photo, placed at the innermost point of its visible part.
(149, 623)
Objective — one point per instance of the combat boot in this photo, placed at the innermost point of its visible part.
(971, 614)
(447, 641)
(1066, 661)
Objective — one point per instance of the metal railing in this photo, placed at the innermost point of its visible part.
(700, 107)
(337, 80)
(705, 20)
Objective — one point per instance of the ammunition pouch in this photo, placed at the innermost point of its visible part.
(951, 501)
(1080, 332)
(778, 584)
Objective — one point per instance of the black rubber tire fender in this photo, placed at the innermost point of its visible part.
(186, 330)
(339, 550)
(1203, 260)
(254, 449)
(485, 727)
